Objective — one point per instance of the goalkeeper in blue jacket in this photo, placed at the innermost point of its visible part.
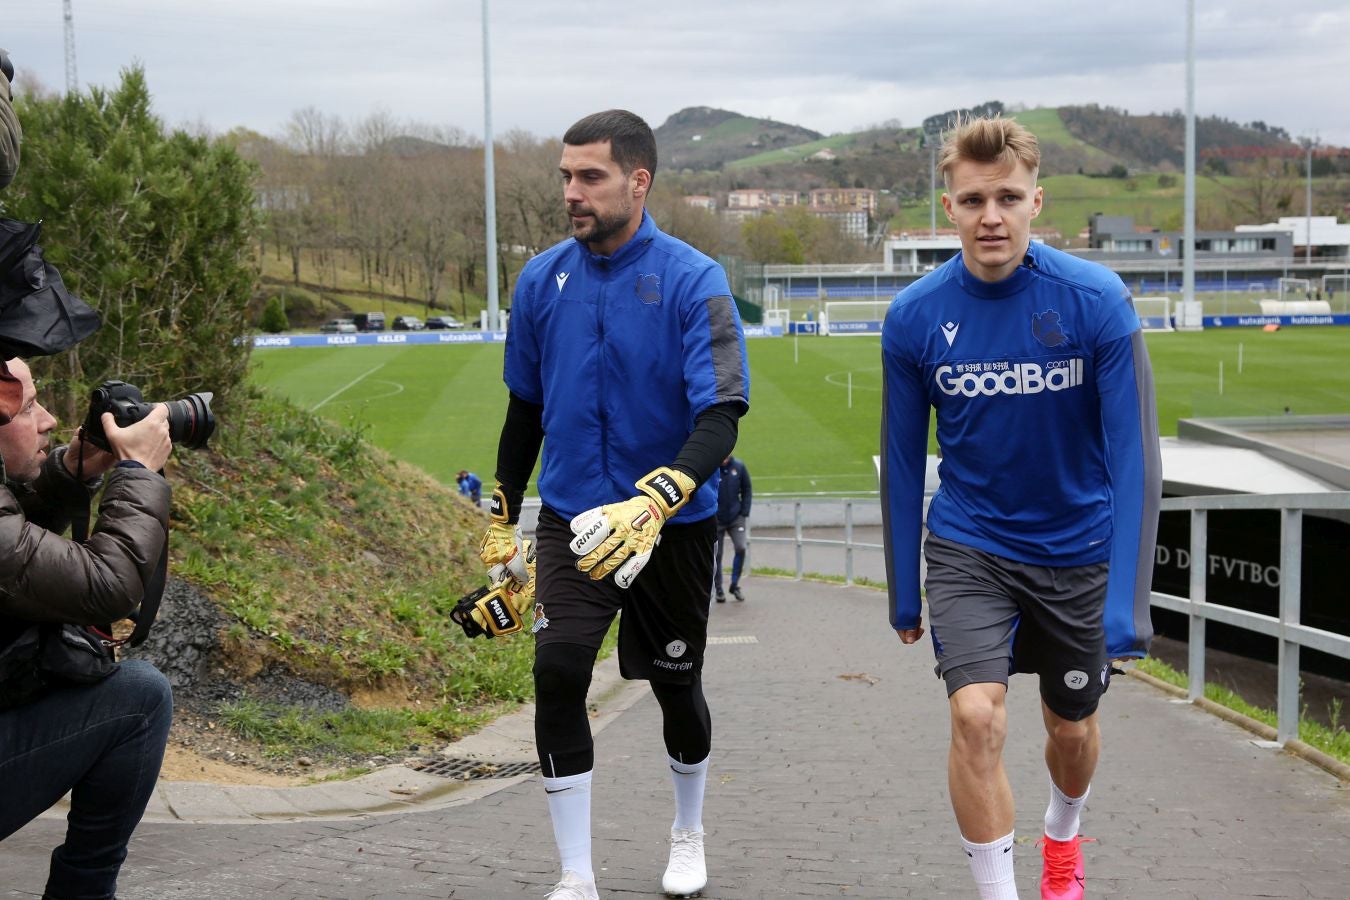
(626, 361)
(1041, 536)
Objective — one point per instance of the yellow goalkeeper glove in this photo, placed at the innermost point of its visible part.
(620, 537)
(502, 544)
(499, 608)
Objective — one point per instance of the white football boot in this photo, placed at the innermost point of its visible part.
(573, 887)
(686, 874)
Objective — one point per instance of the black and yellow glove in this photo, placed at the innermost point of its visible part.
(499, 608)
(502, 544)
(620, 537)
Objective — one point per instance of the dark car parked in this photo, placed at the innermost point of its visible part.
(408, 323)
(436, 322)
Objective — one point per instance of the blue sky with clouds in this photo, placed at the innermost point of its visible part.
(829, 66)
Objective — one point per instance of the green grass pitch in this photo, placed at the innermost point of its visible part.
(440, 407)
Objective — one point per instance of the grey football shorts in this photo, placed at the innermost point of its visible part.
(990, 617)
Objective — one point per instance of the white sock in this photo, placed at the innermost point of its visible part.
(991, 865)
(689, 781)
(569, 806)
(1061, 816)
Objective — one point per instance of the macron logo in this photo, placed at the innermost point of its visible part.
(949, 332)
(561, 278)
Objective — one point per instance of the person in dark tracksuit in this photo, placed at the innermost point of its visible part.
(625, 356)
(733, 508)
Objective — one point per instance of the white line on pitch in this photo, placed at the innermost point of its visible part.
(351, 383)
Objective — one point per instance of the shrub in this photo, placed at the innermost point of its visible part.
(154, 229)
(274, 319)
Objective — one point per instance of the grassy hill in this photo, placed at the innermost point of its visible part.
(334, 566)
(1154, 200)
(1075, 141)
(1056, 140)
(1088, 138)
(796, 153)
(335, 289)
(701, 137)
(1065, 151)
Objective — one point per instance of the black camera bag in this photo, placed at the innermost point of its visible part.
(50, 655)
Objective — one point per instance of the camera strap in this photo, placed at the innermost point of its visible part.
(145, 613)
(144, 616)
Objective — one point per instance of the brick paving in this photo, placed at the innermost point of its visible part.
(828, 780)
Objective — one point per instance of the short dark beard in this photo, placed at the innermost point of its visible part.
(606, 227)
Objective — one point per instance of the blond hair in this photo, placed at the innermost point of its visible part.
(986, 140)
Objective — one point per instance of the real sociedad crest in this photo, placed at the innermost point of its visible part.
(649, 288)
(1047, 328)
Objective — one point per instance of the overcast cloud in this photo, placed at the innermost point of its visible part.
(830, 66)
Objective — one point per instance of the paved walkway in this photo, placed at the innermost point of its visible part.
(828, 779)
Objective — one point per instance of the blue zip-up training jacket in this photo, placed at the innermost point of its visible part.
(1046, 425)
(623, 352)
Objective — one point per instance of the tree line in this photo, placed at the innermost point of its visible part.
(405, 202)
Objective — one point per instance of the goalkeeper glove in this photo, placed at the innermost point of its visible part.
(502, 544)
(620, 537)
(499, 608)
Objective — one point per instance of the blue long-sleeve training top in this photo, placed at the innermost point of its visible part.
(1046, 426)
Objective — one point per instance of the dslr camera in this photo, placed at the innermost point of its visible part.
(191, 421)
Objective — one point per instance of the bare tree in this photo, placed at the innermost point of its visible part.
(531, 213)
(314, 133)
(1266, 192)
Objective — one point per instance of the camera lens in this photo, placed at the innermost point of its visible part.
(191, 422)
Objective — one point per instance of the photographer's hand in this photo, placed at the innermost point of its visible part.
(146, 442)
(95, 460)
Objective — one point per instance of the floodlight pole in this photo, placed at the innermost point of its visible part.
(1188, 235)
(489, 183)
(1307, 243)
(932, 186)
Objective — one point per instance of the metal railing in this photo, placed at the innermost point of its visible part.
(1286, 627)
(800, 541)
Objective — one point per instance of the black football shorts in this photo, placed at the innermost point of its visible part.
(664, 628)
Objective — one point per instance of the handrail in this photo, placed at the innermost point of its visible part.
(1287, 628)
(848, 544)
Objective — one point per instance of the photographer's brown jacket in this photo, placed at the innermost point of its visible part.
(45, 577)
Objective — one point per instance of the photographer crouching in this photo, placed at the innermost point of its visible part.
(71, 718)
(103, 740)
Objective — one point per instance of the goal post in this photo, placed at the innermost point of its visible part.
(1302, 287)
(1337, 282)
(1155, 313)
(853, 317)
